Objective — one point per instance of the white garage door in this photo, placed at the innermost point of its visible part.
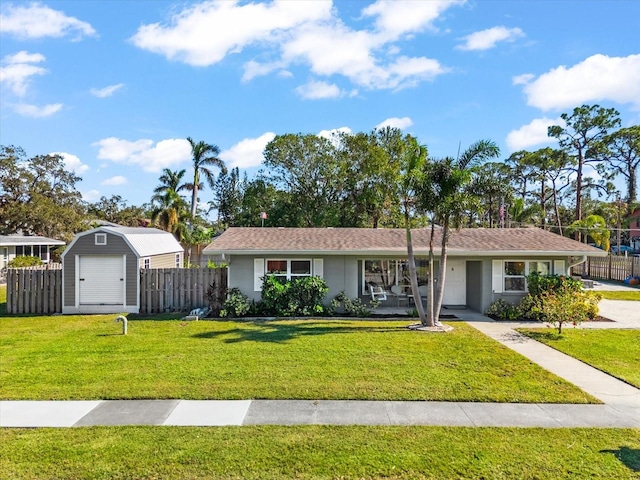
(455, 283)
(101, 280)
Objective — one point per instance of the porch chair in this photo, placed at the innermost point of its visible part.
(377, 292)
(400, 295)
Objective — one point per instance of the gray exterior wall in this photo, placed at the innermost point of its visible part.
(85, 245)
(339, 272)
(344, 273)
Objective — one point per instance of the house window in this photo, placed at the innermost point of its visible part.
(515, 273)
(146, 262)
(178, 261)
(101, 238)
(386, 273)
(289, 269)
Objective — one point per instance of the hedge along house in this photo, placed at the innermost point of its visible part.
(101, 267)
(483, 265)
(12, 246)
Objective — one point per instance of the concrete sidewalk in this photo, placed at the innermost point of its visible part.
(308, 412)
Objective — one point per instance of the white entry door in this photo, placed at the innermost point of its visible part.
(101, 280)
(455, 283)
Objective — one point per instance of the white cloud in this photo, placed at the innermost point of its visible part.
(523, 79)
(18, 68)
(534, 133)
(117, 180)
(90, 195)
(72, 163)
(330, 134)
(489, 38)
(286, 33)
(395, 122)
(315, 90)
(401, 17)
(36, 20)
(34, 111)
(248, 152)
(188, 38)
(106, 91)
(597, 78)
(143, 153)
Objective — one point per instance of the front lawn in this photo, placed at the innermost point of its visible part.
(620, 295)
(87, 357)
(319, 452)
(616, 352)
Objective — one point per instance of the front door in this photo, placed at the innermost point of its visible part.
(455, 283)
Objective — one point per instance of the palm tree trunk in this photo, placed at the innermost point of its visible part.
(441, 272)
(413, 274)
(430, 293)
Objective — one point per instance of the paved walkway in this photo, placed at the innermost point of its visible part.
(621, 406)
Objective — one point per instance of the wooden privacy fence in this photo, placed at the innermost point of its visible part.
(34, 290)
(609, 268)
(39, 291)
(181, 289)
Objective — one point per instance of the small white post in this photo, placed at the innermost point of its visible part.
(123, 319)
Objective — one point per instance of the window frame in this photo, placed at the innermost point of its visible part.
(100, 238)
(395, 271)
(527, 270)
(146, 263)
(288, 275)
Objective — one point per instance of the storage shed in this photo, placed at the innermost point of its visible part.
(101, 267)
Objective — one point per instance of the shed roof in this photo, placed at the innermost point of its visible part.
(373, 241)
(145, 242)
(14, 240)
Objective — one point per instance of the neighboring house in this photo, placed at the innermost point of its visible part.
(483, 265)
(634, 229)
(101, 267)
(12, 246)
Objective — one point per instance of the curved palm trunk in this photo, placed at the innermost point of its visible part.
(441, 273)
(413, 274)
(430, 293)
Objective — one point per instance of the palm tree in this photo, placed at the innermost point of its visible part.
(170, 208)
(446, 196)
(204, 156)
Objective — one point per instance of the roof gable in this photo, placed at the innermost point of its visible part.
(145, 242)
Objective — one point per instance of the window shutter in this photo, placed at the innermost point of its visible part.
(558, 267)
(318, 267)
(496, 276)
(258, 273)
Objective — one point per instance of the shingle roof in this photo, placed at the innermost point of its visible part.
(339, 241)
(11, 240)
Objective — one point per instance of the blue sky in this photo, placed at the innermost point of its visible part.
(116, 86)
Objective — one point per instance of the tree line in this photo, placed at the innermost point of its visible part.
(347, 180)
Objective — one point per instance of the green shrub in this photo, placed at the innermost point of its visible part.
(503, 310)
(24, 261)
(560, 307)
(539, 284)
(301, 297)
(353, 307)
(236, 305)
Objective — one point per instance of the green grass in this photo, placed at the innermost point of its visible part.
(3, 300)
(318, 452)
(620, 295)
(87, 357)
(616, 352)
